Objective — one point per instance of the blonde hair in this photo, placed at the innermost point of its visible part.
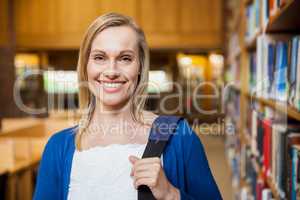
(86, 98)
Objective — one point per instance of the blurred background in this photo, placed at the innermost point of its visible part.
(215, 50)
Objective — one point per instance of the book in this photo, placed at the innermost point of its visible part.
(271, 143)
(272, 53)
(295, 174)
(281, 71)
(264, 13)
(297, 87)
(267, 144)
(274, 68)
(273, 7)
(254, 148)
(293, 69)
(278, 146)
(293, 138)
(266, 194)
(252, 74)
(259, 188)
(253, 20)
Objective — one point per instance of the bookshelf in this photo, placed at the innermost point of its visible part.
(251, 43)
(273, 188)
(247, 2)
(245, 139)
(282, 20)
(278, 106)
(286, 18)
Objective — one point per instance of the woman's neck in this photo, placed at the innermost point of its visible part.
(108, 127)
(116, 127)
(111, 115)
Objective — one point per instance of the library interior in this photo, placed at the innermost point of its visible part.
(229, 69)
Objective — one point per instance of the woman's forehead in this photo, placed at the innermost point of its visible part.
(116, 39)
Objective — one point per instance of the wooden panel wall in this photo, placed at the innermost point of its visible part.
(7, 50)
(3, 23)
(167, 23)
(185, 24)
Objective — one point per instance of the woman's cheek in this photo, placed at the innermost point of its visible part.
(133, 79)
(92, 74)
(93, 70)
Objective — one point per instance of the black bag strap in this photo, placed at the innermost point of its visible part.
(162, 129)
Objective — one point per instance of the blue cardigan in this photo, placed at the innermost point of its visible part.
(185, 166)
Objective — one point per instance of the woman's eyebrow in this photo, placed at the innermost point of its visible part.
(97, 51)
(127, 51)
(120, 53)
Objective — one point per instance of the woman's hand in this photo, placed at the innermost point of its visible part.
(148, 171)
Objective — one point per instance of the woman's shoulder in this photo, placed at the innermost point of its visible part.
(59, 145)
(184, 130)
(182, 127)
(185, 142)
(185, 137)
(182, 133)
(149, 117)
(63, 136)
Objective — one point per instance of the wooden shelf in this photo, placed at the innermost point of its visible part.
(236, 88)
(3, 170)
(244, 183)
(247, 2)
(237, 21)
(286, 19)
(256, 166)
(269, 181)
(234, 55)
(24, 164)
(273, 188)
(245, 139)
(250, 43)
(278, 106)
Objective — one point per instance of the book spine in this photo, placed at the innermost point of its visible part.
(297, 92)
(294, 173)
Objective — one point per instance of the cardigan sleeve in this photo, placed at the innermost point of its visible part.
(48, 181)
(200, 183)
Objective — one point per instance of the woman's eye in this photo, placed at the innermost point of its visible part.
(99, 58)
(126, 59)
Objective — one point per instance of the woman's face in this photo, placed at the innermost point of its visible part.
(113, 65)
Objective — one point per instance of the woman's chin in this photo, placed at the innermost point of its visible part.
(114, 103)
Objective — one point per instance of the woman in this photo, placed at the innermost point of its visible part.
(101, 157)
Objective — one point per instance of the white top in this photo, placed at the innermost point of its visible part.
(103, 172)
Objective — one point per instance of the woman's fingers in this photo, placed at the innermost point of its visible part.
(149, 172)
(150, 182)
(148, 160)
(145, 171)
(137, 161)
(133, 159)
(145, 174)
(145, 167)
(141, 168)
(141, 164)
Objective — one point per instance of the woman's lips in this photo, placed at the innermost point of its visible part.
(111, 86)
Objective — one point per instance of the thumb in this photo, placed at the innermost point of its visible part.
(133, 159)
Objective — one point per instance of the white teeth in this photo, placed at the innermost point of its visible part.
(112, 85)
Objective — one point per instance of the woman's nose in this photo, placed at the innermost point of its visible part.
(111, 75)
(112, 71)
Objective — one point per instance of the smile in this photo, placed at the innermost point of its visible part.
(113, 86)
